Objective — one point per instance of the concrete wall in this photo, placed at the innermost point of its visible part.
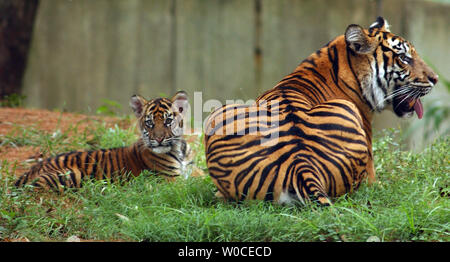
(84, 51)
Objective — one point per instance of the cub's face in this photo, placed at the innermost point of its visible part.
(160, 120)
(394, 74)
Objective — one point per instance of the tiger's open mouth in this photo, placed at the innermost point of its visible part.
(404, 105)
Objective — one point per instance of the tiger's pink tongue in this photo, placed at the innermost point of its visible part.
(418, 108)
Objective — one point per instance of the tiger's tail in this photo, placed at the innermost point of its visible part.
(308, 187)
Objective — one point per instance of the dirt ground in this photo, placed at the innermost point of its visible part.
(13, 119)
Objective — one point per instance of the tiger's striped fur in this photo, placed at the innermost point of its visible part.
(161, 148)
(310, 136)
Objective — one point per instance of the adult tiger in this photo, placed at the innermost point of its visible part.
(310, 136)
(161, 148)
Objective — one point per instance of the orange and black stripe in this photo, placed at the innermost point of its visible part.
(160, 149)
(310, 136)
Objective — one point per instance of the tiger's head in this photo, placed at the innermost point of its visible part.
(391, 72)
(160, 120)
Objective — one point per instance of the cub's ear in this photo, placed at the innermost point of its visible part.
(180, 102)
(137, 103)
(358, 40)
(380, 24)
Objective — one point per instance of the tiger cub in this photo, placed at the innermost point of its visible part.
(161, 148)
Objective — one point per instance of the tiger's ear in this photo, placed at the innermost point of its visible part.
(380, 24)
(180, 102)
(137, 103)
(358, 40)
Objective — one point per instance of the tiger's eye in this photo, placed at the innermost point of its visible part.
(168, 121)
(405, 59)
(149, 123)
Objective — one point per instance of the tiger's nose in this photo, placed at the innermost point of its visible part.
(159, 139)
(433, 78)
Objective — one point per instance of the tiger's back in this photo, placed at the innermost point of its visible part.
(69, 169)
(279, 159)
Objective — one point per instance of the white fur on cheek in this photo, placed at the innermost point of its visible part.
(379, 97)
(161, 149)
(371, 91)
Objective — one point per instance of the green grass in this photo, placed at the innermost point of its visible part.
(56, 142)
(410, 202)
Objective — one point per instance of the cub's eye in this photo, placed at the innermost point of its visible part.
(404, 59)
(149, 123)
(168, 121)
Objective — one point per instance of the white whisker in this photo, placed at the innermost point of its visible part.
(402, 90)
(412, 94)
